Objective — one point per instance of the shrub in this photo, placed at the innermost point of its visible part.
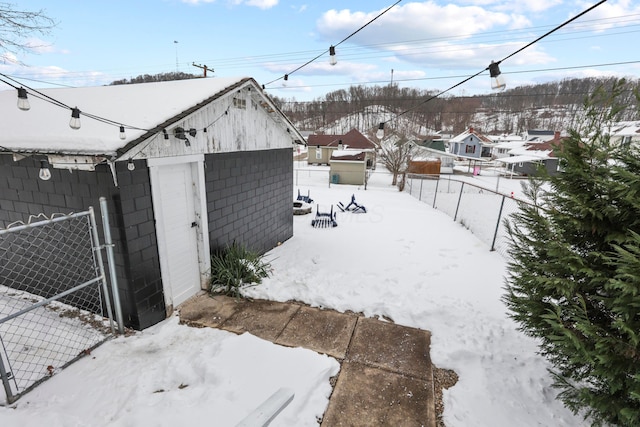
(235, 268)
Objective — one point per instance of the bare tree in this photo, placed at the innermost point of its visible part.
(395, 153)
(17, 25)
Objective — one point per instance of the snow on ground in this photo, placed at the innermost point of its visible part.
(413, 264)
(172, 375)
(401, 259)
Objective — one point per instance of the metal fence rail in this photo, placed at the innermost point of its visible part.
(55, 304)
(482, 211)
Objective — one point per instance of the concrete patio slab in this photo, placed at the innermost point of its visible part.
(205, 310)
(365, 396)
(323, 331)
(394, 347)
(264, 319)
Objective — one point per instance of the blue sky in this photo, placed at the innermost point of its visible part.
(424, 44)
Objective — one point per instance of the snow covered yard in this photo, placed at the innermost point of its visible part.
(405, 261)
(401, 260)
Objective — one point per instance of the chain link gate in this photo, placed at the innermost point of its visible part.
(55, 305)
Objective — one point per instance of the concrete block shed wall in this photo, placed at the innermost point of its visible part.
(249, 201)
(23, 194)
(250, 198)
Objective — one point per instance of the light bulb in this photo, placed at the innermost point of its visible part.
(497, 81)
(23, 101)
(130, 165)
(380, 132)
(332, 56)
(123, 135)
(74, 123)
(45, 173)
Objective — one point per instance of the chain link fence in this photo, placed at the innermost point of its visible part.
(55, 304)
(481, 210)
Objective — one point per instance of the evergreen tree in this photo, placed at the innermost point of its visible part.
(574, 272)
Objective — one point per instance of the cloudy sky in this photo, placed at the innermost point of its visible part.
(425, 44)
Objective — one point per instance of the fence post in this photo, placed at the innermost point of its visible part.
(436, 193)
(455, 216)
(5, 381)
(112, 264)
(98, 255)
(421, 181)
(495, 234)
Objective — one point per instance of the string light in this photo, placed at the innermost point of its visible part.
(130, 165)
(497, 80)
(23, 101)
(45, 173)
(123, 135)
(380, 131)
(332, 55)
(74, 123)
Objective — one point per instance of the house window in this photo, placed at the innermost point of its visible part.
(626, 141)
(470, 149)
(318, 153)
(240, 103)
(520, 164)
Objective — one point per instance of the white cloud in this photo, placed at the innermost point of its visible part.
(412, 21)
(261, 4)
(39, 46)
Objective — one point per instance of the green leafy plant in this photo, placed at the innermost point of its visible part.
(235, 268)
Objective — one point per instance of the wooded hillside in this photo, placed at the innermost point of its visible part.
(552, 106)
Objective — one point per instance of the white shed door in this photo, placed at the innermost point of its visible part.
(175, 220)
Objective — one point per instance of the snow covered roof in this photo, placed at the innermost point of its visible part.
(462, 136)
(520, 159)
(143, 109)
(348, 155)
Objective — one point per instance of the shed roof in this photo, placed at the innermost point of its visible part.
(144, 109)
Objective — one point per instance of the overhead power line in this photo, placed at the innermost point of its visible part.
(337, 44)
(381, 127)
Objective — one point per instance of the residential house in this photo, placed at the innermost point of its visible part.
(538, 135)
(471, 144)
(527, 159)
(320, 147)
(202, 163)
(626, 134)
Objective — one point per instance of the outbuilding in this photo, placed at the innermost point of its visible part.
(187, 167)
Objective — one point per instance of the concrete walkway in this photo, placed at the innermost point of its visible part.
(386, 376)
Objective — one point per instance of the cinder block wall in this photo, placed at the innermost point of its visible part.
(250, 198)
(22, 194)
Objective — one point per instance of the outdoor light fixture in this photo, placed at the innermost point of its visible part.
(45, 173)
(380, 132)
(192, 132)
(497, 80)
(123, 135)
(74, 123)
(332, 55)
(130, 165)
(23, 102)
(179, 133)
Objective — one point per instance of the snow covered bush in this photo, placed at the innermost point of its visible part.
(234, 268)
(574, 274)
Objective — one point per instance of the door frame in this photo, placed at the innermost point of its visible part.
(196, 163)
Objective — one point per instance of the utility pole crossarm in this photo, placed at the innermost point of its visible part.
(203, 67)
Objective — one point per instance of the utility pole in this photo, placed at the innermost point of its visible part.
(203, 67)
(175, 42)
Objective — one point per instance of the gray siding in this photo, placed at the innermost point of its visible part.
(22, 194)
(250, 198)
